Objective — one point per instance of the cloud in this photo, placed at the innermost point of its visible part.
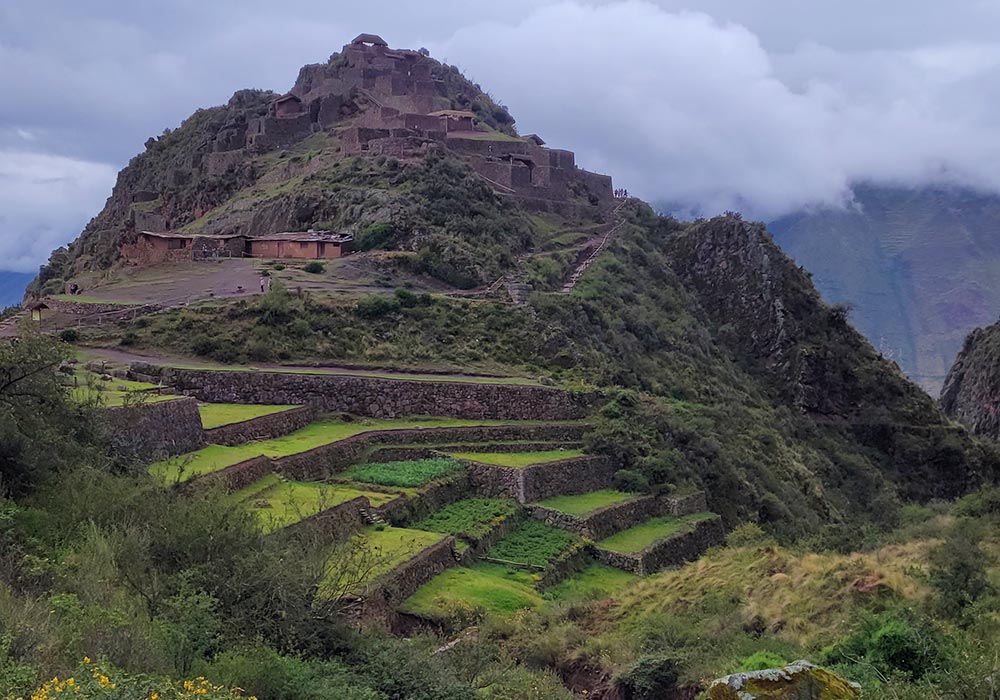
(43, 200)
(683, 108)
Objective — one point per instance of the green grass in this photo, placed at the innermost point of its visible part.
(216, 457)
(384, 549)
(533, 543)
(87, 385)
(278, 503)
(642, 536)
(402, 376)
(94, 300)
(496, 589)
(473, 517)
(597, 581)
(214, 415)
(517, 459)
(587, 502)
(408, 473)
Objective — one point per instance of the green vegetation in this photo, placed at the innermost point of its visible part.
(89, 388)
(517, 459)
(469, 592)
(214, 415)
(640, 537)
(278, 503)
(587, 502)
(533, 544)
(595, 582)
(376, 551)
(81, 299)
(471, 517)
(215, 457)
(408, 473)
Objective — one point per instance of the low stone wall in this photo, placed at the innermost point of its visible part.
(540, 481)
(606, 521)
(375, 397)
(82, 308)
(152, 431)
(237, 476)
(327, 460)
(572, 561)
(334, 524)
(261, 428)
(427, 500)
(688, 504)
(501, 529)
(404, 580)
(684, 546)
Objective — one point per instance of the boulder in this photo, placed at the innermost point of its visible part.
(799, 680)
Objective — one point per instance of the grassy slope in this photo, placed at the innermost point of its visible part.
(587, 502)
(517, 459)
(214, 415)
(388, 547)
(489, 587)
(215, 457)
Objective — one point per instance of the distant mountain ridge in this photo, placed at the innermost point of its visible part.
(12, 286)
(918, 265)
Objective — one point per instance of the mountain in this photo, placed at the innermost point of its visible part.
(12, 286)
(971, 390)
(917, 265)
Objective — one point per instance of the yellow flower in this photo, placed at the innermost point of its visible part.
(154, 696)
(86, 659)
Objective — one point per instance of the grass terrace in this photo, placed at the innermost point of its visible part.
(377, 551)
(586, 503)
(278, 503)
(215, 415)
(472, 517)
(87, 386)
(595, 582)
(323, 432)
(640, 537)
(517, 460)
(532, 544)
(500, 590)
(410, 474)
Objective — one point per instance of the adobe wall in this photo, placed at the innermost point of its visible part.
(152, 431)
(378, 398)
(261, 428)
(540, 481)
(683, 547)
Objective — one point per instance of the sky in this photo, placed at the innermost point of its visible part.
(765, 106)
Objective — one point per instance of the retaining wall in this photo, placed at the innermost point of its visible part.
(427, 500)
(684, 546)
(375, 397)
(403, 581)
(540, 481)
(501, 529)
(151, 431)
(335, 523)
(612, 519)
(261, 428)
(572, 561)
(236, 476)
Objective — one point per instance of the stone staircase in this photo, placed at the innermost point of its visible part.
(372, 517)
(585, 265)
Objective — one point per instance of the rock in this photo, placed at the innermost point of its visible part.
(799, 680)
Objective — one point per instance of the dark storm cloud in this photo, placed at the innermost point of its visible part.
(763, 105)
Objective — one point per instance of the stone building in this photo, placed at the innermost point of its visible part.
(311, 245)
(152, 247)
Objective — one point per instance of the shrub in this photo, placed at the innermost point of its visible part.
(129, 338)
(761, 660)
(651, 678)
(314, 266)
(748, 535)
(958, 570)
(630, 480)
(376, 305)
(278, 266)
(69, 335)
(981, 503)
(892, 642)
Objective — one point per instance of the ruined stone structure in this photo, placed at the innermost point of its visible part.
(154, 247)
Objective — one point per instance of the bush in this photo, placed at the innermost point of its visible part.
(748, 535)
(958, 570)
(630, 480)
(69, 335)
(761, 660)
(651, 678)
(129, 338)
(376, 305)
(985, 502)
(892, 642)
(314, 266)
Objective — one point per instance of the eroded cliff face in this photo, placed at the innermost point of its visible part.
(971, 392)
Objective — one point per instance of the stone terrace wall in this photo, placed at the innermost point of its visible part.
(674, 551)
(689, 504)
(404, 580)
(151, 431)
(612, 519)
(336, 523)
(324, 461)
(261, 428)
(504, 527)
(572, 561)
(427, 500)
(377, 398)
(235, 477)
(540, 481)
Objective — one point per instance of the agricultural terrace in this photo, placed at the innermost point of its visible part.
(323, 432)
(497, 589)
(533, 544)
(587, 503)
(641, 537)
(412, 473)
(215, 415)
(472, 517)
(371, 553)
(89, 386)
(278, 503)
(517, 460)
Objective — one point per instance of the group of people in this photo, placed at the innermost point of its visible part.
(621, 193)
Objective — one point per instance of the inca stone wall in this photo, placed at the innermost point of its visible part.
(152, 431)
(404, 580)
(613, 519)
(261, 428)
(337, 523)
(684, 546)
(374, 397)
(540, 481)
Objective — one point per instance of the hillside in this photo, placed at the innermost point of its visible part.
(360, 394)
(973, 384)
(916, 264)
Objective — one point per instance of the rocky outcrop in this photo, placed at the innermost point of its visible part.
(800, 680)
(971, 392)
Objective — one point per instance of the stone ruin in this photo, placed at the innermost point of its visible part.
(394, 102)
